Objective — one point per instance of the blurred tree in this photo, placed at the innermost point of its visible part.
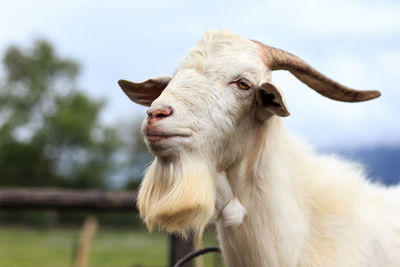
(50, 133)
(136, 156)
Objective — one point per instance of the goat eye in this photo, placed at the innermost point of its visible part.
(243, 84)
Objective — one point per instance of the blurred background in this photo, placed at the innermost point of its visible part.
(65, 123)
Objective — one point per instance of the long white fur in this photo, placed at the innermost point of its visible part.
(228, 209)
(281, 203)
(177, 197)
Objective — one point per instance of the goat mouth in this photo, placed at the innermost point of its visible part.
(153, 134)
(159, 137)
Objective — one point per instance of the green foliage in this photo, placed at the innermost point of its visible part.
(25, 164)
(30, 80)
(137, 156)
(50, 132)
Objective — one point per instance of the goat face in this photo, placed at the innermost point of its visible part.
(219, 88)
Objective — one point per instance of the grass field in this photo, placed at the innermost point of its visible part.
(22, 247)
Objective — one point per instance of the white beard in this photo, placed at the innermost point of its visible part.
(178, 196)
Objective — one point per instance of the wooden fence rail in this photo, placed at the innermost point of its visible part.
(61, 199)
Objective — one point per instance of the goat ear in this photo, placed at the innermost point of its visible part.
(270, 102)
(146, 92)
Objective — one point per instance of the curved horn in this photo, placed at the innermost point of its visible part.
(277, 59)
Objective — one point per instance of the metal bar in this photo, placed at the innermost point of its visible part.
(179, 248)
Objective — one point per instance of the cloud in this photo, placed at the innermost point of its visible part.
(344, 17)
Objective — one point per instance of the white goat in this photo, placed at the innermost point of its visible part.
(221, 150)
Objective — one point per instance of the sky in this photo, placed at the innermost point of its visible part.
(357, 43)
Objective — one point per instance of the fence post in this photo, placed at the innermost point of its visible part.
(179, 247)
(88, 231)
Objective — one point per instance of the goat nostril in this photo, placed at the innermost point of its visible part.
(160, 113)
